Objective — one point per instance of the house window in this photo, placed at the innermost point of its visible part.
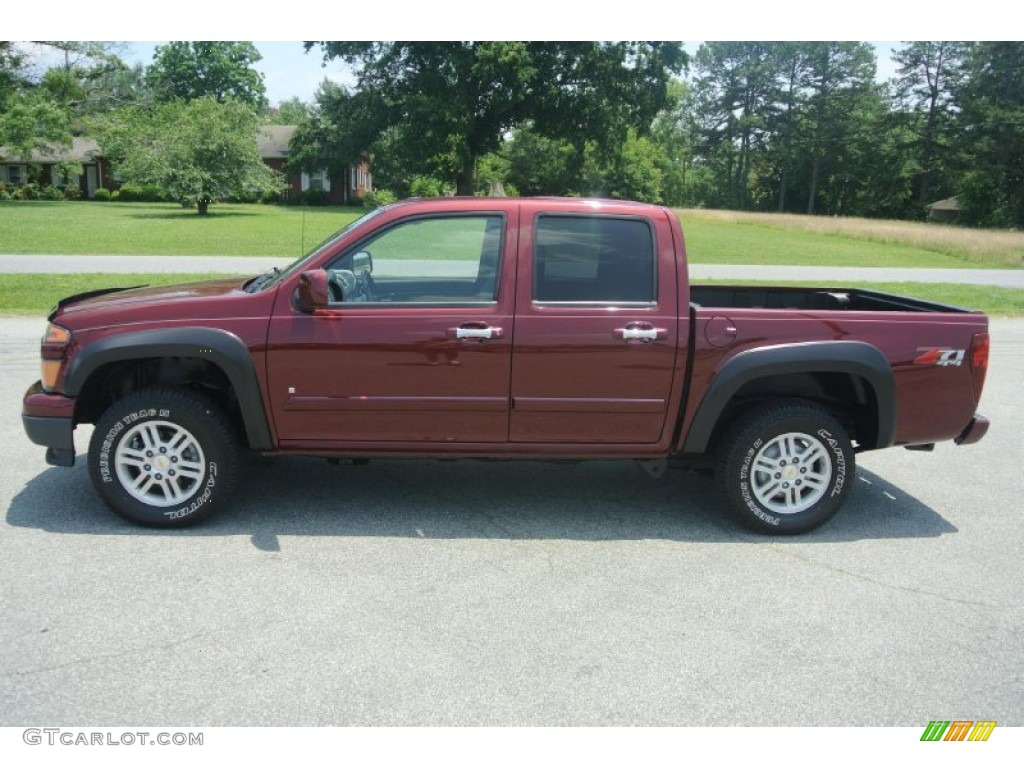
(319, 180)
(16, 174)
(355, 178)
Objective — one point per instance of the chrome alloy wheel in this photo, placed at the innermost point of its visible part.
(160, 463)
(791, 473)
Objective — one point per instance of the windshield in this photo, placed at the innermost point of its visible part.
(275, 275)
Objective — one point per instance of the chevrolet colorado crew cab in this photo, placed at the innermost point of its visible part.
(504, 329)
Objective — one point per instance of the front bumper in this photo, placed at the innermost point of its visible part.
(974, 431)
(49, 420)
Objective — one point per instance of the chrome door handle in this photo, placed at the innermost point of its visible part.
(644, 333)
(475, 332)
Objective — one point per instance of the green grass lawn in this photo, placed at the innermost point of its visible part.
(165, 229)
(37, 294)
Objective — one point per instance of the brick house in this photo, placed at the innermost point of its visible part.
(41, 167)
(349, 189)
(271, 140)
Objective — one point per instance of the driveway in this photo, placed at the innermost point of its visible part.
(446, 593)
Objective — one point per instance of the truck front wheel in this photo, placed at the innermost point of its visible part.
(786, 468)
(163, 458)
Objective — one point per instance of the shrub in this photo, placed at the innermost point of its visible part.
(379, 197)
(426, 186)
(115, 195)
(101, 194)
(51, 193)
(72, 193)
(143, 193)
(27, 192)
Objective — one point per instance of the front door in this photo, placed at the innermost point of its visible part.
(416, 344)
(91, 181)
(596, 330)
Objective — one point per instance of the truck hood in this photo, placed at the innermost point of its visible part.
(112, 306)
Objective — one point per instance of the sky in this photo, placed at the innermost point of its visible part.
(289, 71)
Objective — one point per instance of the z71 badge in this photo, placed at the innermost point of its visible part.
(939, 356)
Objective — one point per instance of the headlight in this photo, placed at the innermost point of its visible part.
(54, 347)
(56, 335)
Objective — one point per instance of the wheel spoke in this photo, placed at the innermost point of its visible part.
(191, 468)
(791, 498)
(766, 464)
(789, 447)
(813, 454)
(143, 488)
(150, 437)
(177, 443)
(132, 458)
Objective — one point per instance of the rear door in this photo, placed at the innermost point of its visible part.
(596, 329)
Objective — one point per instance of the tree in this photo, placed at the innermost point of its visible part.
(838, 74)
(992, 123)
(673, 133)
(454, 101)
(293, 111)
(732, 96)
(219, 70)
(196, 151)
(29, 117)
(929, 74)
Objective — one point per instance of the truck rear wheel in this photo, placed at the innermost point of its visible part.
(786, 468)
(164, 458)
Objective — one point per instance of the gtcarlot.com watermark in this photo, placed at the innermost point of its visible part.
(71, 738)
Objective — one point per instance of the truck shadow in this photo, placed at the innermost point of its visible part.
(592, 501)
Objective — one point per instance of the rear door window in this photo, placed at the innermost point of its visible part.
(594, 259)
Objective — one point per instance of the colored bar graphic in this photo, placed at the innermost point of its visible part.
(982, 730)
(935, 730)
(958, 730)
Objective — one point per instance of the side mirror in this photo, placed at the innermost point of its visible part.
(312, 293)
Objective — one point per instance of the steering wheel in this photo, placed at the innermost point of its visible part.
(341, 285)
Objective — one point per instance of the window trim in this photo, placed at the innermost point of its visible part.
(597, 303)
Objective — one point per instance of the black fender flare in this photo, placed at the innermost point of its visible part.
(222, 348)
(857, 358)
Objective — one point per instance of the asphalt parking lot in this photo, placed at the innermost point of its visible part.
(444, 593)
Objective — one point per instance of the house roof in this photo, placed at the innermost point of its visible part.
(272, 141)
(82, 150)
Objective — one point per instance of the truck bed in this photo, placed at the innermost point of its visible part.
(844, 299)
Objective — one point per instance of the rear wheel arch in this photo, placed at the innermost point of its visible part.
(852, 380)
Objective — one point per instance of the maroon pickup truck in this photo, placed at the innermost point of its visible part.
(504, 329)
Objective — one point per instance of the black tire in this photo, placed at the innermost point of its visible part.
(194, 462)
(786, 468)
